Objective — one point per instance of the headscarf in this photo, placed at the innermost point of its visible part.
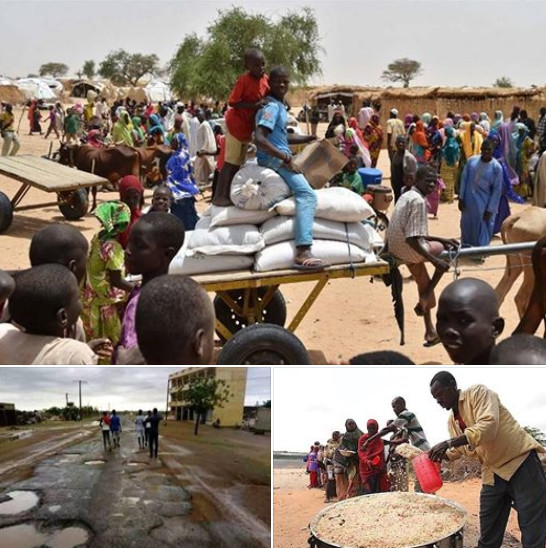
(474, 117)
(122, 130)
(451, 151)
(419, 136)
(426, 118)
(466, 137)
(350, 439)
(137, 127)
(180, 178)
(353, 124)
(456, 119)
(130, 182)
(466, 117)
(408, 119)
(337, 120)
(154, 125)
(93, 138)
(371, 458)
(498, 121)
(114, 217)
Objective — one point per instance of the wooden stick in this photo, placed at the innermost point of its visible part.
(20, 118)
(50, 148)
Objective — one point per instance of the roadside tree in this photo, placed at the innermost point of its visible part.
(53, 69)
(402, 70)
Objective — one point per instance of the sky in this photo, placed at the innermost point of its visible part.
(308, 405)
(107, 388)
(469, 42)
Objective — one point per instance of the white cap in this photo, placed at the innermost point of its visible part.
(394, 111)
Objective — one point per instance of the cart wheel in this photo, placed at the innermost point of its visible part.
(74, 204)
(274, 312)
(6, 212)
(264, 344)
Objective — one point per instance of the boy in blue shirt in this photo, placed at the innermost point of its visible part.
(273, 141)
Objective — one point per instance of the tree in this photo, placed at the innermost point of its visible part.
(209, 66)
(205, 393)
(53, 69)
(503, 82)
(537, 434)
(402, 70)
(89, 69)
(267, 404)
(124, 68)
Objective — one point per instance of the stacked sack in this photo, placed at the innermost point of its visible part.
(258, 230)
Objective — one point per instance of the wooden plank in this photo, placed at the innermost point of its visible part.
(240, 279)
(47, 175)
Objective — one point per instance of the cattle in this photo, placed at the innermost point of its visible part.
(527, 226)
(148, 155)
(112, 163)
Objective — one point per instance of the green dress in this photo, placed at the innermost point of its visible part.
(99, 299)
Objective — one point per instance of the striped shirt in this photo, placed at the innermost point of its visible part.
(409, 421)
(409, 219)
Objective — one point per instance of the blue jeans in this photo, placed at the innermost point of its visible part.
(306, 199)
(185, 210)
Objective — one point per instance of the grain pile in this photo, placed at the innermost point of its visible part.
(392, 520)
(408, 451)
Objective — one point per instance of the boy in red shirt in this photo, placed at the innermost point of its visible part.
(246, 98)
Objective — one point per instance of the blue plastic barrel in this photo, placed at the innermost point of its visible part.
(370, 176)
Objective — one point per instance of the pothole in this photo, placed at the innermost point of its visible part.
(19, 501)
(27, 536)
(94, 462)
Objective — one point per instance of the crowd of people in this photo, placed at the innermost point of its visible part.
(146, 430)
(358, 463)
(484, 162)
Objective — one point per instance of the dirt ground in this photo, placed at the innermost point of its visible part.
(348, 318)
(294, 506)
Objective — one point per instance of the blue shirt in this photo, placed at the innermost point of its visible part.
(115, 423)
(273, 116)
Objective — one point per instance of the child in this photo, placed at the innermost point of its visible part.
(52, 122)
(154, 241)
(131, 192)
(162, 199)
(468, 321)
(274, 152)
(350, 178)
(44, 308)
(519, 350)
(175, 322)
(221, 149)
(246, 98)
(105, 286)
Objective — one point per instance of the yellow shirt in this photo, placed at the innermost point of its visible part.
(7, 121)
(495, 438)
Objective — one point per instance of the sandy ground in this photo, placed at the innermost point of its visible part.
(294, 506)
(348, 318)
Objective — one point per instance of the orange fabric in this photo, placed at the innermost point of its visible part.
(247, 89)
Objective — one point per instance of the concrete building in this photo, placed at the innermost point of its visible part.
(7, 414)
(231, 414)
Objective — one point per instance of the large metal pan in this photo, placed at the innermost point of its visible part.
(452, 540)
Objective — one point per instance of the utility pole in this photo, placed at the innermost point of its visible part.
(66, 395)
(80, 382)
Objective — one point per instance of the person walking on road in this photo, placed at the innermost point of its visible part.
(147, 428)
(115, 427)
(153, 440)
(139, 429)
(105, 427)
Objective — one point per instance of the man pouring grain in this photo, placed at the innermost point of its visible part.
(482, 428)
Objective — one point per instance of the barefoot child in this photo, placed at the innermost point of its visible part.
(273, 142)
(155, 239)
(175, 322)
(44, 308)
(246, 98)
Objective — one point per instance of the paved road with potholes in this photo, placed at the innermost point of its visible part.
(86, 497)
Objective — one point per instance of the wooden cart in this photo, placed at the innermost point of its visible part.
(33, 171)
(245, 297)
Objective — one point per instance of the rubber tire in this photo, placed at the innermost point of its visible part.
(274, 312)
(261, 339)
(78, 206)
(6, 212)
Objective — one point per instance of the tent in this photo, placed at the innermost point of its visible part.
(158, 91)
(81, 87)
(55, 85)
(36, 88)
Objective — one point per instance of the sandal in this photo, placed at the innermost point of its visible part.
(432, 342)
(311, 264)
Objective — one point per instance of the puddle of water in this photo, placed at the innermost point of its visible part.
(21, 501)
(132, 500)
(137, 464)
(26, 536)
(54, 509)
(21, 536)
(95, 462)
(69, 538)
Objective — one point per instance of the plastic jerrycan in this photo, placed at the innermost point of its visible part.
(428, 473)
